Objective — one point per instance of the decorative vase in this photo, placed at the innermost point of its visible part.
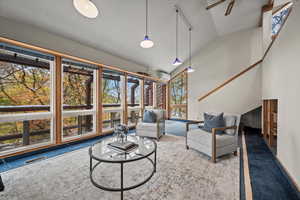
(120, 132)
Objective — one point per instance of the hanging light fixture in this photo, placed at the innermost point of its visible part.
(86, 8)
(147, 43)
(189, 68)
(177, 61)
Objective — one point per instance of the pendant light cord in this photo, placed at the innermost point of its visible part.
(190, 45)
(147, 17)
(177, 33)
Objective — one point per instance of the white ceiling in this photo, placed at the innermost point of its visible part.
(121, 25)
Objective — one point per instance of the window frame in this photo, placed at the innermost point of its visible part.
(48, 115)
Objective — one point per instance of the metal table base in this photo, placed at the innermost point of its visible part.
(122, 188)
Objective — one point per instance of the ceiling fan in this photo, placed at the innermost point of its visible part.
(228, 9)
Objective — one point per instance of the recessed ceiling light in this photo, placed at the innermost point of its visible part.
(86, 8)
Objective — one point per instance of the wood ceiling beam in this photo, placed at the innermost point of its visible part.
(229, 7)
(214, 4)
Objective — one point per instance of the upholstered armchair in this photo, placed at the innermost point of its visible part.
(152, 130)
(212, 144)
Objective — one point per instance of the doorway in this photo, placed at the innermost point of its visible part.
(270, 116)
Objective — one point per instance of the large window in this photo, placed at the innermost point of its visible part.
(111, 99)
(279, 18)
(148, 93)
(161, 96)
(133, 99)
(178, 96)
(26, 113)
(48, 99)
(78, 98)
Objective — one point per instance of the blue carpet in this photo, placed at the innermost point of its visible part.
(268, 180)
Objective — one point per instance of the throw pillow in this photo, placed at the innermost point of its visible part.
(230, 121)
(211, 121)
(149, 117)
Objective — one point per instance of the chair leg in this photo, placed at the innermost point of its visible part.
(213, 159)
(1, 185)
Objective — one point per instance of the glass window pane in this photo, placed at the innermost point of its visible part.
(161, 96)
(25, 88)
(78, 85)
(148, 93)
(279, 17)
(110, 119)
(133, 116)
(111, 98)
(23, 133)
(133, 91)
(78, 95)
(178, 99)
(77, 125)
(111, 89)
(25, 82)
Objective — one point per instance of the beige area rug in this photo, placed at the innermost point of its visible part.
(181, 175)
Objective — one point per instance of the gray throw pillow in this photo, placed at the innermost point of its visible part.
(149, 117)
(230, 121)
(211, 121)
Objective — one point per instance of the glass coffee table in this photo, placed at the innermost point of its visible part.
(101, 152)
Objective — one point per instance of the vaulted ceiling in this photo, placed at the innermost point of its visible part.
(121, 25)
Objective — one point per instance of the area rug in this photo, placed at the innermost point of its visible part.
(181, 175)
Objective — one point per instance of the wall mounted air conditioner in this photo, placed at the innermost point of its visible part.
(163, 75)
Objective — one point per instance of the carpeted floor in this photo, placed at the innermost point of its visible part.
(267, 178)
(173, 127)
(176, 127)
(181, 174)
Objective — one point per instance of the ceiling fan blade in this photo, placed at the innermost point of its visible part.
(214, 4)
(229, 7)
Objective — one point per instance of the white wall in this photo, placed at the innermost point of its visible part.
(281, 69)
(267, 29)
(35, 36)
(217, 62)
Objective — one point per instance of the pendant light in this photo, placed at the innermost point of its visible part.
(147, 43)
(177, 61)
(86, 8)
(190, 69)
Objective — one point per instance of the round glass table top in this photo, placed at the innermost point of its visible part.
(101, 151)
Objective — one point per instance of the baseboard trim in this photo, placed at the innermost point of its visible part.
(247, 179)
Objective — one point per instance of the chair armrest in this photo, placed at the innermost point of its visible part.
(214, 130)
(192, 122)
(223, 128)
(159, 122)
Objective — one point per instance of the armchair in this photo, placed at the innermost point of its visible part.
(212, 144)
(152, 130)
